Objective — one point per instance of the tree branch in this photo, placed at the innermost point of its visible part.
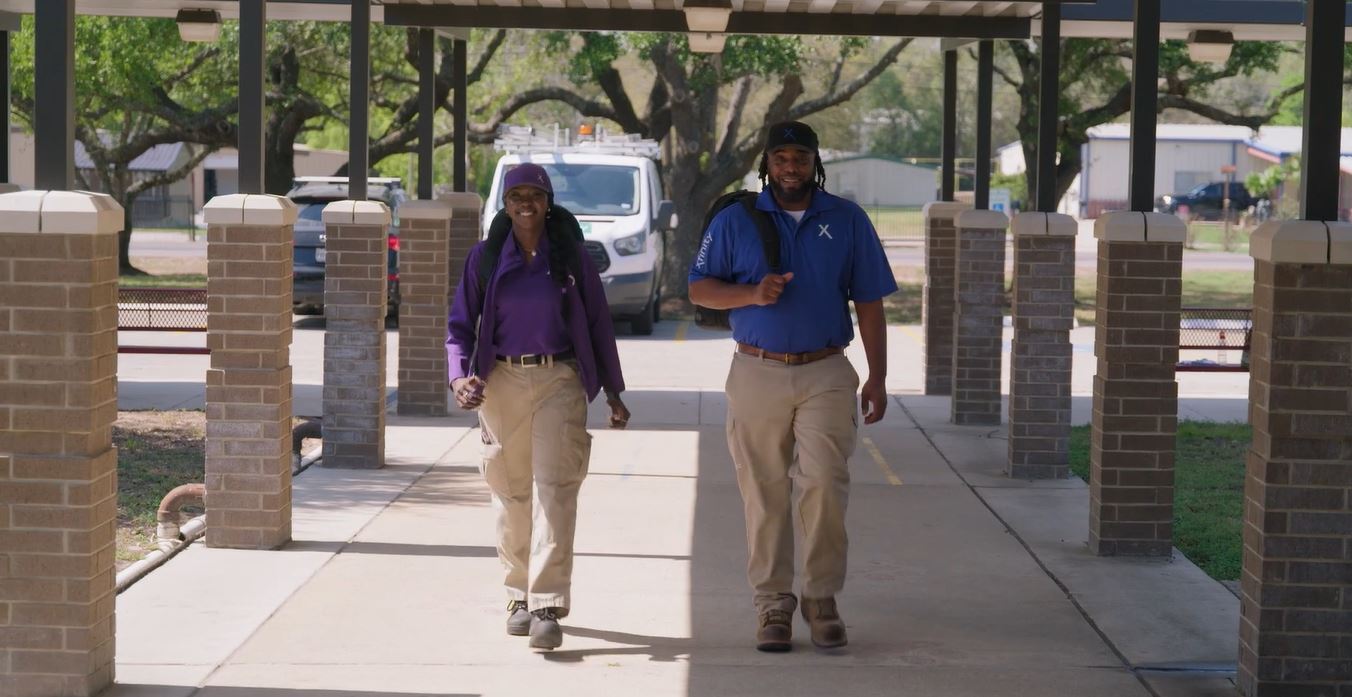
(173, 175)
(831, 99)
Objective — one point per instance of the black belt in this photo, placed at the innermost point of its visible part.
(534, 360)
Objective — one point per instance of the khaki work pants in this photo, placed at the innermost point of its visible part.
(534, 422)
(787, 426)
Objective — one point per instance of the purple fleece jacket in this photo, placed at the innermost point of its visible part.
(589, 325)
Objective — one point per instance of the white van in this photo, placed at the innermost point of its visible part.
(613, 187)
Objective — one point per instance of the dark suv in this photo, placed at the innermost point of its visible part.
(311, 194)
(1205, 201)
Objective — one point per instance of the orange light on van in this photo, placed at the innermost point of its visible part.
(584, 130)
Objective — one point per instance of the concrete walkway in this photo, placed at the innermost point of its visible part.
(961, 582)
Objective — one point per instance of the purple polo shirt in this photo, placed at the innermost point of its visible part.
(529, 305)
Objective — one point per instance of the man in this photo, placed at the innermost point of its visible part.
(792, 414)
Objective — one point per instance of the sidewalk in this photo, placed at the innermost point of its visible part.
(961, 581)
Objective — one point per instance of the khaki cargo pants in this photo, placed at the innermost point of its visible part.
(793, 427)
(534, 422)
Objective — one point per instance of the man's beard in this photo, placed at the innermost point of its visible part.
(797, 195)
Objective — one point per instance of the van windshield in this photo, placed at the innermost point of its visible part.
(593, 189)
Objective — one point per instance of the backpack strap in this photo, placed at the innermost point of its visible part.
(769, 234)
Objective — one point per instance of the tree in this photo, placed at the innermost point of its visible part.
(709, 112)
(1095, 88)
(130, 100)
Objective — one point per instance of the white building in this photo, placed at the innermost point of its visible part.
(1186, 155)
(871, 180)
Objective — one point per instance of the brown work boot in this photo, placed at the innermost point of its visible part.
(776, 631)
(828, 630)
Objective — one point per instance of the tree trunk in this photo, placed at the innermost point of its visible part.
(124, 267)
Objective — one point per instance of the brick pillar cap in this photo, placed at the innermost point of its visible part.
(1340, 243)
(1302, 242)
(250, 209)
(1134, 226)
(356, 213)
(983, 220)
(945, 209)
(1036, 224)
(426, 210)
(461, 199)
(60, 212)
(7, 188)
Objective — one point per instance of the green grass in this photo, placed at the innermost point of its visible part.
(165, 281)
(156, 451)
(1200, 289)
(1208, 491)
(1210, 237)
(905, 305)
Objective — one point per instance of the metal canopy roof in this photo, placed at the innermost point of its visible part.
(1247, 19)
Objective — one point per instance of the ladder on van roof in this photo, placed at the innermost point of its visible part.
(523, 140)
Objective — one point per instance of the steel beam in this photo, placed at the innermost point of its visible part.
(252, 102)
(359, 98)
(4, 109)
(427, 109)
(1323, 110)
(793, 23)
(54, 106)
(985, 59)
(1145, 63)
(1048, 108)
(461, 106)
(949, 155)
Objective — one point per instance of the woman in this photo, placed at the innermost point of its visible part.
(530, 343)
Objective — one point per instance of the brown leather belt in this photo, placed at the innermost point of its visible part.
(790, 358)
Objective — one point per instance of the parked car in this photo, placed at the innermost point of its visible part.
(1206, 201)
(612, 185)
(311, 194)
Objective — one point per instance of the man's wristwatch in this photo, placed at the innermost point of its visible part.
(612, 396)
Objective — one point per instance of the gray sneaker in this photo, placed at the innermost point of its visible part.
(545, 632)
(518, 618)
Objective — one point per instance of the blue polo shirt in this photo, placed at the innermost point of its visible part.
(835, 256)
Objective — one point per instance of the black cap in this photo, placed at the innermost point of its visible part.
(791, 133)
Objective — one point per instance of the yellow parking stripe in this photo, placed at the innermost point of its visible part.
(877, 454)
(681, 330)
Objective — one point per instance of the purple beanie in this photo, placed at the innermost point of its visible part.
(528, 175)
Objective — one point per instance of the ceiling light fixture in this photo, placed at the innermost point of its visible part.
(706, 42)
(710, 16)
(199, 25)
(1210, 45)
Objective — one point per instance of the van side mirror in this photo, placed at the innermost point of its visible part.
(666, 216)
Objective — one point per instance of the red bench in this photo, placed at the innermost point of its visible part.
(1223, 330)
(162, 310)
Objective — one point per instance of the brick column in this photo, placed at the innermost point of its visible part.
(1135, 421)
(941, 254)
(1296, 589)
(248, 459)
(978, 317)
(58, 468)
(355, 284)
(424, 257)
(1040, 359)
(466, 220)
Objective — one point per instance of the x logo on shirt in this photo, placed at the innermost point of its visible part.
(824, 231)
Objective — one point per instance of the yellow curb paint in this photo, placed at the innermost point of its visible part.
(681, 329)
(913, 333)
(877, 454)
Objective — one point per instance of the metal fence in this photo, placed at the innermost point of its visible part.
(898, 224)
(162, 212)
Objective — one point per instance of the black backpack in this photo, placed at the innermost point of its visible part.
(561, 228)
(719, 319)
